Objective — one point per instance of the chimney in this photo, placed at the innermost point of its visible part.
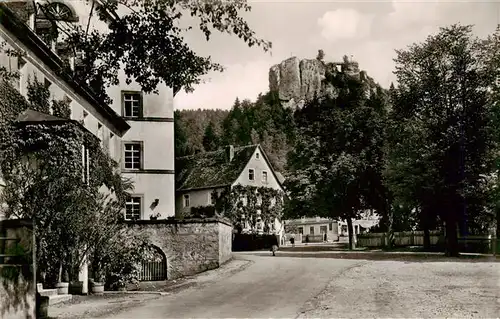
(230, 152)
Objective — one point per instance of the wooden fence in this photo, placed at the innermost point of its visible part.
(153, 271)
(477, 244)
(409, 238)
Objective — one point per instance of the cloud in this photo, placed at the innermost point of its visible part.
(407, 13)
(244, 81)
(342, 24)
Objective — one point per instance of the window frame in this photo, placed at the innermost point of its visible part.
(141, 97)
(257, 155)
(300, 230)
(141, 205)
(311, 232)
(211, 198)
(141, 155)
(266, 181)
(184, 197)
(253, 174)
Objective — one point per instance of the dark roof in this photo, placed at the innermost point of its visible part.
(25, 35)
(211, 169)
(34, 116)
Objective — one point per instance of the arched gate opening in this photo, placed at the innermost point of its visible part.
(154, 265)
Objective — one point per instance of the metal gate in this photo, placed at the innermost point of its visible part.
(154, 266)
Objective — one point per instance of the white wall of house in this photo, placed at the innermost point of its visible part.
(154, 130)
(81, 109)
(196, 198)
(259, 165)
(262, 177)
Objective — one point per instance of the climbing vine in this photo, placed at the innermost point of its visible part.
(44, 168)
(247, 204)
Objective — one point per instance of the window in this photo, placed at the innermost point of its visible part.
(85, 165)
(331, 226)
(132, 104)
(322, 229)
(311, 230)
(264, 177)
(133, 208)
(133, 156)
(301, 230)
(213, 199)
(111, 148)
(251, 174)
(59, 11)
(257, 155)
(100, 134)
(186, 200)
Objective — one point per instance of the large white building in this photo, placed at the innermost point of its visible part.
(146, 151)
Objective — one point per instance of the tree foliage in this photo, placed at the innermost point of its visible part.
(145, 40)
(263, 122)
(335, 167)
(442, 142)
(42, 163)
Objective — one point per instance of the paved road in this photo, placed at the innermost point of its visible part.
(269, 288)
(288, 287)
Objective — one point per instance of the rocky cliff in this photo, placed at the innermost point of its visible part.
(298, 81)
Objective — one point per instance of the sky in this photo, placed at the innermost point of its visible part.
(369, 31)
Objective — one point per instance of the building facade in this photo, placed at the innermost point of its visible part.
(199, 175)
(315, 228)
(146, 151)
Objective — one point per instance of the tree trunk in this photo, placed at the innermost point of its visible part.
(350, 231)
(498, 222)
(59, 276)
(390, 228)
(424, 215)
(451, 238)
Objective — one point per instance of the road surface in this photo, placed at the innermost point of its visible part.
(287, 287)
(269, 287)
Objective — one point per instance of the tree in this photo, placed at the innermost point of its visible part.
(338, 153)
(42, 163)
(180, 138)
(210, 138)
(147, 43)
(442, 94)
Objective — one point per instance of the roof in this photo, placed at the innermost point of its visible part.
(211, 169)
(34, 116)
(280, 177)
(30, 116)
(26, 36)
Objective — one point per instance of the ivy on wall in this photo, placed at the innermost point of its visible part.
(242, 204)
(44, 173)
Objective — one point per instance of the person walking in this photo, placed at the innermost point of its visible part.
(274, 246)
(292, 241)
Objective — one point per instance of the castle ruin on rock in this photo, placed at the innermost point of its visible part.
(298, 81)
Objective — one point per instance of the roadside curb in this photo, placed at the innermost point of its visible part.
(190, 281)
(160, 293)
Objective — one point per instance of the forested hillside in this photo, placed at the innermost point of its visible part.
(264, 121)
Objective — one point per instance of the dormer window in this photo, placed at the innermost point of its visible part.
(59, 11)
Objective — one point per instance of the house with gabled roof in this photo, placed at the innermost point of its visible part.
(199, 175)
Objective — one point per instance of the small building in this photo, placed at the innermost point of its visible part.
(199, 175)
(314, 228)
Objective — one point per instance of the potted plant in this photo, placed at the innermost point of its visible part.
(98, 282)
(154, 216)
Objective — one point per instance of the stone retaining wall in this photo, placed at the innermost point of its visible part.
(18, 301)
(190, 245)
